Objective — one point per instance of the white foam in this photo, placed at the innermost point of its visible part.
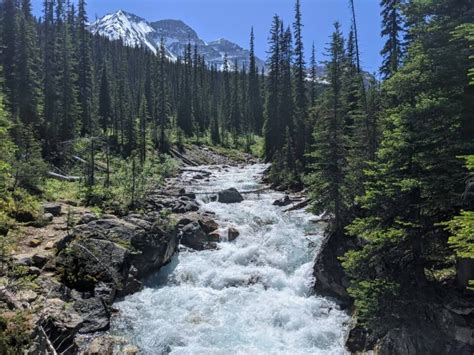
(251, 296)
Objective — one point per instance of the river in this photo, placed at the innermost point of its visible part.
(250, 296)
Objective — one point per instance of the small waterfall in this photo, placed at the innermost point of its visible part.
(251, 296)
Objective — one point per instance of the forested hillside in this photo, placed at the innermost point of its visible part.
(388, 158)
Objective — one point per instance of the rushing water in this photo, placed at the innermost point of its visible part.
(251, 296)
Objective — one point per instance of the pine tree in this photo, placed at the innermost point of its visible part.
(68, 105)
(301, 98)
(28, 101)
(9, 28)
(163, 106)
(185, 109)
(328, 154)
(254, 92)
(85, 74)
(286, 104)
(105, 104)
(313, 76)
(235, 106)
(412, 184)
(273, 129)
(392, 27)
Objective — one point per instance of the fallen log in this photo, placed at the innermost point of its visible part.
(63, 177)
(178, 155)
(97, 165)
(299, 206)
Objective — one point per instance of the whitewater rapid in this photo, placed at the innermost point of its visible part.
(250, 296)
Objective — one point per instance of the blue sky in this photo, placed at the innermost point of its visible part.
(232, 19)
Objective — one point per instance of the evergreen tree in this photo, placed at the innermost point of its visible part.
(273, 128)
(254, 91)
(85, 74)
(185, 109)
(301, 98)
(163, 106)
(392, 26)
(9, 34)
(105, 104)
(313, 76)
(235, 107)
(329, 154)
(28, 92)
(410, 186)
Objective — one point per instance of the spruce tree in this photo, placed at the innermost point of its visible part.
(28, 101)
(85, 74)
(254, 90)
(329, 155)
(273, 129)
(300, 90)
(392, 27)
(412, 184)
(105, 104)
(163, 106)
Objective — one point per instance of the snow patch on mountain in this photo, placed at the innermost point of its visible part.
(135, 31)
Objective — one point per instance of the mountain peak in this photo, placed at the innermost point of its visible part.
(135, 31)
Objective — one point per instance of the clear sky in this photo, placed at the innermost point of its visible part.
(232, 19)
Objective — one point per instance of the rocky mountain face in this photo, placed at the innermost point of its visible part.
(136, 31)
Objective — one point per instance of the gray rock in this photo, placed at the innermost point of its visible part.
(101, 251)
(284, 201)
(53, 208)
(39, 260)
(194, 237)
(229, 196)
(95, 314)
(87, 218)
(331, 279)
(48, 217)
(63, 323)
(232, 234)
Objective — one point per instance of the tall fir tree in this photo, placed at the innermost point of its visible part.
(329, 154)
(300, 89)
(273, 129)
(392, 28)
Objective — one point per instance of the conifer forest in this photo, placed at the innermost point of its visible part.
(171, 196)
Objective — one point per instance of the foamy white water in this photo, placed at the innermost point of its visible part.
(251, 296)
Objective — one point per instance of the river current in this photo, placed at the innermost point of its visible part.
(250, 296)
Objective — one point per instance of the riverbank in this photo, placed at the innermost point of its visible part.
(65, 274)
(251, 293)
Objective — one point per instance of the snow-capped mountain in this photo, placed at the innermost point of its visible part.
(135, 31)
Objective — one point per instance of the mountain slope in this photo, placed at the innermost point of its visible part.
(135, 31)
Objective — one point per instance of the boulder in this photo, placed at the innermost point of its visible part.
(33, 243)
(284, 201)
(193, 236)
(215, 236)
(105, 250)
(95, 314)
(87, 218)
(208, 224)
(53, 208)
(156, 248)
(39, 260)
(331, 279)
(232, 234)
(86, 261)
(229, 196)
(62, 322)
(48, 217)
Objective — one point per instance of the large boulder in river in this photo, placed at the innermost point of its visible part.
(193, 236)
(105, 251)
(229, 196)
(331, 279)
(284, 201)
